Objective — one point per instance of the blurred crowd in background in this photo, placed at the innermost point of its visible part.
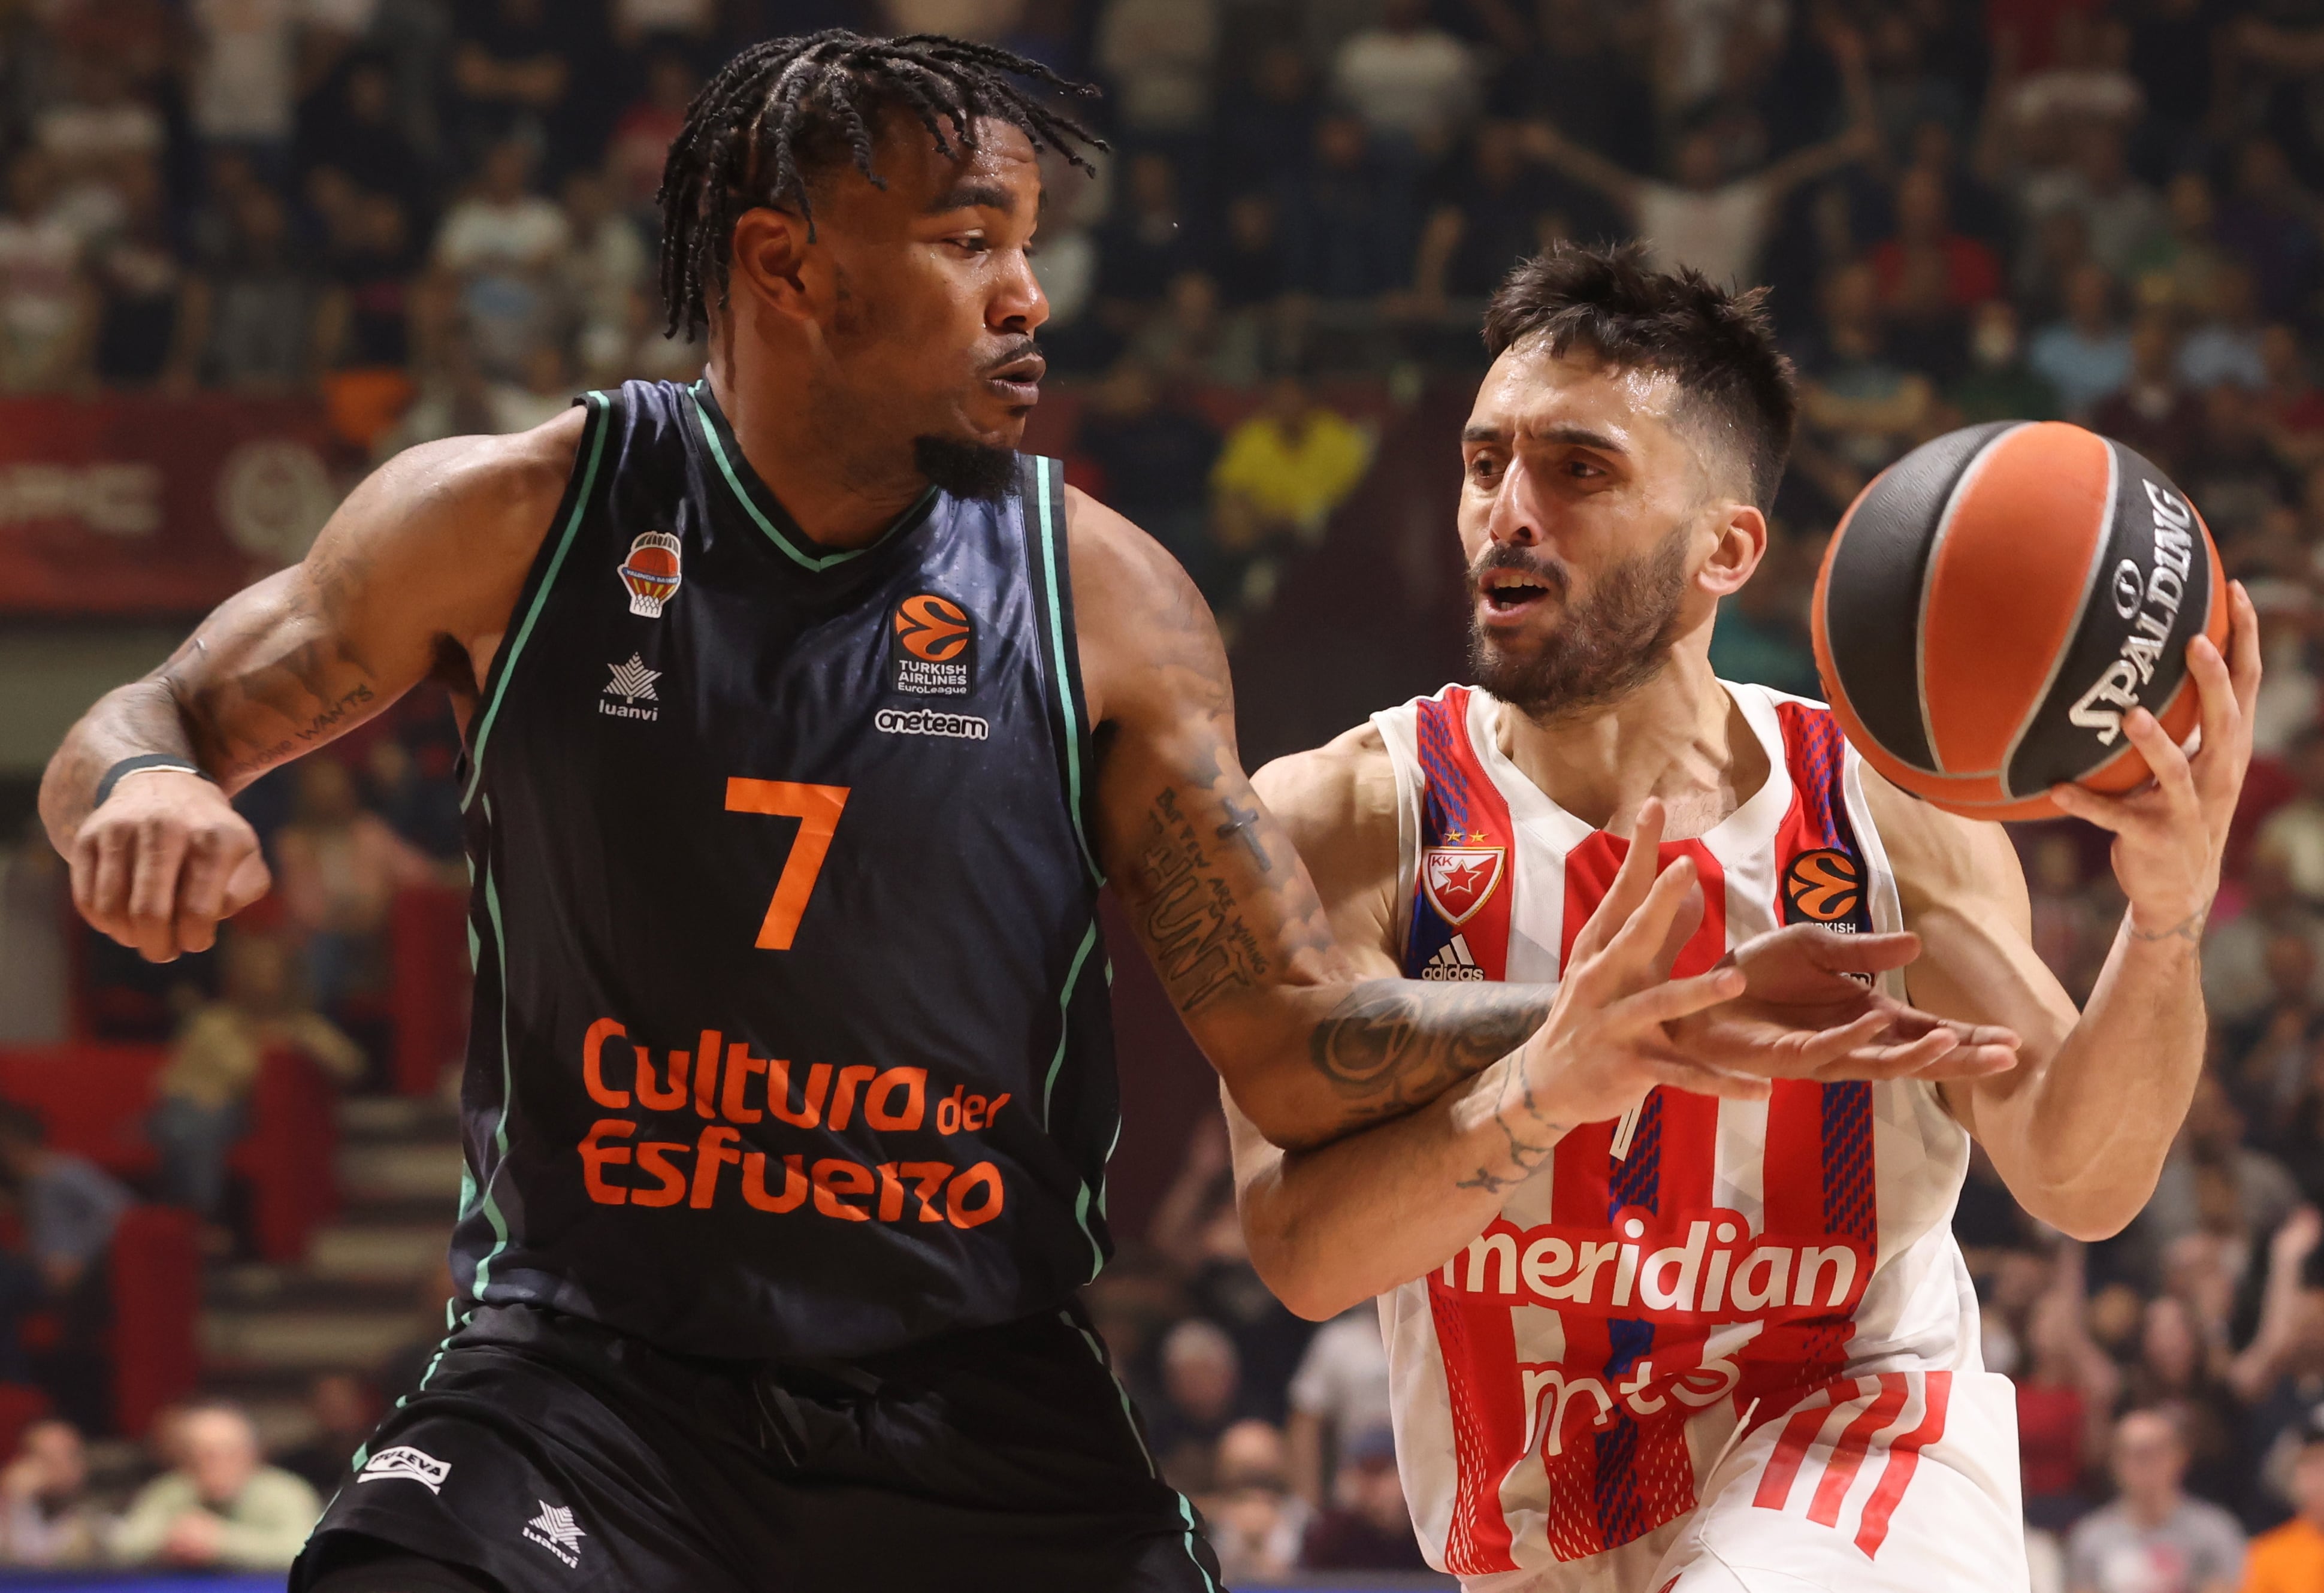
(438, 218)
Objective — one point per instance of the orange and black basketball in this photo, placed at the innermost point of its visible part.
(1994, 603)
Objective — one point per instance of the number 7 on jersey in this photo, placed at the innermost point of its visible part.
(817, 810)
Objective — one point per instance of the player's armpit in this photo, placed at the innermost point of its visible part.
(1309, 1047)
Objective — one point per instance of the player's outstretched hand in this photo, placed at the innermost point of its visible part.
(162, 862)
(1809, 1011)
(2170, 833)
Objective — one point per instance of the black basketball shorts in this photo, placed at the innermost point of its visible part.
(548, 1452)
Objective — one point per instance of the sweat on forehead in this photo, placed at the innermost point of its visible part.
(1539, 394)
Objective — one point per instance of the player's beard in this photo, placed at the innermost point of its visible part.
(1604, 647)
(965, 469)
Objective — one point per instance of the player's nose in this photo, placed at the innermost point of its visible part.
(1018, 305)
(1515, 518)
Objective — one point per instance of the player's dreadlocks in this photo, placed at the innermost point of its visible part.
(784, 108)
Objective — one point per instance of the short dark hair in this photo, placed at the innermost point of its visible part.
(786, 109)
(1720, 347)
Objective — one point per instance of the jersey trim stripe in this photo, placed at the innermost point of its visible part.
(778, 524)
(1903, 1457)
(1057, 616)
(576, 506)
(1129, 1414)
(493, 1212)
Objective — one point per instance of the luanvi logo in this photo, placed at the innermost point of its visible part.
(633, 683)
(554, 1530)
(932, 652)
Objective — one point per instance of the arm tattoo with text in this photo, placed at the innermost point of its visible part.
(1189, 916)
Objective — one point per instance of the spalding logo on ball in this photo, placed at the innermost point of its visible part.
(1996, 601)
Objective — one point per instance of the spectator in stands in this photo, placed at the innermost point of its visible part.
(2072, 933)
(2271, 225)
(1346, 218)
(2234, 474)
(368, 260)
(2298, 1138)
(2297, 828)
(1761, 633)
(150, 311)
(70, 1205)
(644, 132)
(1927, 268)
(2290, 1559)
(424, 809)
(2265, 1054)
(512, 75)
(1287, 468)
(243, 77)
(1155, 456)
(1194, 340)
(264, 302)
(2225, 346)
(1339, 1390)
(47, 1517)
(1368, 1526)
(1860, 409)
(1148, 242)
(35, 963)
(1415, 85)
(2237, 984)
(1998, 384)
(2119, 212)
(1264, 129)
(2152, 411)
(1202, 1395)
(351, 127)
(1707, 220)
(343, 1412)
(97, 136)
(2292, 408)
(221, 1507)
(1495, 213)
(339, 868)
(201, 1095)
(2064, 1393)
(2180, 1367)
(604, 270)
(2279, 1375)
(2086, 356)
(48, 308)
(497, 253)
(2180, 262)
(1161, 56)
(1250, 264)
(2212, 1181)
(2154, 1538)
(1256, 1523)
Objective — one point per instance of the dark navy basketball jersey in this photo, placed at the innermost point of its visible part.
(792, 1034)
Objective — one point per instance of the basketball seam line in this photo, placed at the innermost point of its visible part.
(1928, 580)
(2074, 630)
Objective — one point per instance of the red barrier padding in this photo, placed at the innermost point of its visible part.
(428, 991)
(157, 1298)
(291, 1156)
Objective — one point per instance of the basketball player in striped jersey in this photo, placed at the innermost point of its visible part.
(1679, 1329)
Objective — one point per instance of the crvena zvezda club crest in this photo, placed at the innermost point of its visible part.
(1459, 879)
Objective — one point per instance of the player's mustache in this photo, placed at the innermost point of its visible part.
(1508, 555)
(1021, 352)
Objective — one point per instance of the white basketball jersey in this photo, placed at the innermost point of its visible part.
(1564, 1384)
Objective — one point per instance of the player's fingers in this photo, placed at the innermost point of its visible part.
(2243, 648)
(249, 880)
(1632, 880)
(161, 854)
(2172, 776)
(1630, 953)
(1806, 1051)
(2116, 814)
(108, 904)
(1681, 1073)
(1676, 999)
(1862, 954)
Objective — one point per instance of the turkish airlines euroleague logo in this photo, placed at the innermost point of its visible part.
(1825, 886)
(933, 647)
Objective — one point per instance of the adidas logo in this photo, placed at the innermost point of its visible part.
(1452, 960)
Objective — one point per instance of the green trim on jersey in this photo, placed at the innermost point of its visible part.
(600, 407)
(1060, 614)
(761, 505)
(492, 1208)
(1130, 1414)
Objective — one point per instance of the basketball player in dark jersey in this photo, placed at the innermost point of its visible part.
(803, 720)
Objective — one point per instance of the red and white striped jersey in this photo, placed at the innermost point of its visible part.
(1564, 1384)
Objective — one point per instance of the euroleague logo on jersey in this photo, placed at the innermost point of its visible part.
(1824, 886)
(932, 651)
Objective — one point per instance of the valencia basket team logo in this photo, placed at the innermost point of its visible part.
(652, 573)
(1459, 879)
(932, 649)
(1824, 886)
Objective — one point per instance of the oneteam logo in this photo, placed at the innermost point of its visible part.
(928, 722)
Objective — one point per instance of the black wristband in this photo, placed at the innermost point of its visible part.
(129, 766)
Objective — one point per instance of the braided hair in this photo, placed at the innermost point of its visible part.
(784, 108)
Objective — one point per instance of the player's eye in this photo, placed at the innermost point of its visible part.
(1484, 467)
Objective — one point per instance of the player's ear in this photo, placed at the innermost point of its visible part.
(1739, 542)
(770, 264)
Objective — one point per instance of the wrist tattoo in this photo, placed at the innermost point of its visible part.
(2189, 929)
(1527, 1157)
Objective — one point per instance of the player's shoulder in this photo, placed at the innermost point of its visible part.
(1342, 791)
(513, 473)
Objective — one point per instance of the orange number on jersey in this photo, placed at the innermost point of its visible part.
(816, 808)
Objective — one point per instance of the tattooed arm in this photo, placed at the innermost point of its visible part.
(414, 576)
